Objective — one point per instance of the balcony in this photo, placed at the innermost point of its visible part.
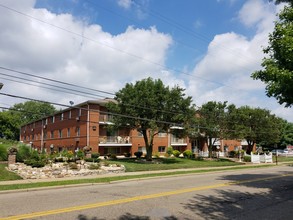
(178, 141)
(106, 119)
(115, 140)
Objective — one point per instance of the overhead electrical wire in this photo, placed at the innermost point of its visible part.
(116, 49)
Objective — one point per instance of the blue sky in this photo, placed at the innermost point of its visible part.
(208, 47)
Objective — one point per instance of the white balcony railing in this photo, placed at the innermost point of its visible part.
(115, 140)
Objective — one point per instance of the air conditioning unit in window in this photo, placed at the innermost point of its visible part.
(77, 118)
(45, 126)
(32, 129)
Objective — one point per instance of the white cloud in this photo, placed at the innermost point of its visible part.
(125, 3)
(100, 60)
(224, 72)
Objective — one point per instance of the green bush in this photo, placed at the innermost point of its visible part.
(176, 153)
(187, 154)
(170, 151)
(80, 154)
(23, 153)
(113, 156)
(3, 152)
(95, 160)
(232, 153)
(138, 154)
(95, 155)
(247, 158)
(35, 163)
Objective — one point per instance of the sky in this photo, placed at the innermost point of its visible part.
(77, 50)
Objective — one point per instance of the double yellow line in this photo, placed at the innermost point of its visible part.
(132, 199)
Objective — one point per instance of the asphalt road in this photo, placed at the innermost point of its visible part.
(263, 193)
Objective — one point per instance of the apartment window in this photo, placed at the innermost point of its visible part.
(162, 149)
(53, 119)
(77, 131)
(33, 137)
(46, 121)
(60, 133)
(69, 114)
(45, 135)
(62, 116)
(68, 132)
(52, 134)
(79, 112)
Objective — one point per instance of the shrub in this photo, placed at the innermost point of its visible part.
(156, 155)
(232, 153)
(94, 160)
(247, 158)
(23, 153)
(35, 163)
(3, 153)
(170, 151)
(176, 153)
(187, 154)
(95, 155)
(138, 154)
(80, 154)
(113, 156)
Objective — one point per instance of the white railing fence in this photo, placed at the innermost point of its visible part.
(264, 158)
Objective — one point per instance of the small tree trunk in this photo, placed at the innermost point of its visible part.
(149, 154)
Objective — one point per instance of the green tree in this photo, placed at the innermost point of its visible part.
(257, 125)
(287, 134)
(22, 113)
(150, 107)
(33, 110)
(212, 122)
(277, 72)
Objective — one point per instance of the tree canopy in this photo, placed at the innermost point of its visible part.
(212, 120)
(256, 125)
(277, 72)
(22, 113)
(151, 107)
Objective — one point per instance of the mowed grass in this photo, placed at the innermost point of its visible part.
(133, 165)
(7, 175)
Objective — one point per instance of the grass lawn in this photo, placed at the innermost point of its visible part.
(6, 175)
(133, 165)
(283, 159)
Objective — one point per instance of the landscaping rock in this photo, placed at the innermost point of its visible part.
(61, 170)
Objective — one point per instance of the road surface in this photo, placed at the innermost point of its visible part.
(263, 193)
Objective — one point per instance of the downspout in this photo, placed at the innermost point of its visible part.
(88, 126)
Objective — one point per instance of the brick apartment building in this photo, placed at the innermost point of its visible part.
(86, 124)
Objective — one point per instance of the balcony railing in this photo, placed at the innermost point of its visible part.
(175, 140)
(105, 118)
(115, 140)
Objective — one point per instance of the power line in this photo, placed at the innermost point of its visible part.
(116, 49)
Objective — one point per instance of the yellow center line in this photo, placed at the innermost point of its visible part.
(132, 199)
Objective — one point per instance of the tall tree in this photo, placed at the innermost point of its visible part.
(257, 125)
(277, 71)
(22, 113)
(150, 107)
(33, 110)
(212, 121)
(287, 135)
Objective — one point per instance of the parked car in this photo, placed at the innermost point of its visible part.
(280, 151)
